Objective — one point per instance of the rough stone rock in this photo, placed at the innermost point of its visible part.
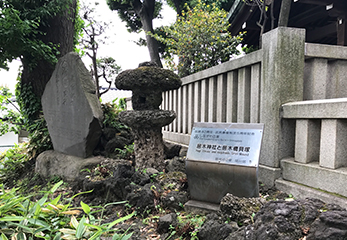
(116, 142)
(111, 139)
(173, 180)
(142, 198)
(177, 164)
(140, 178)
(147, 83)
(290, 220)
(53, 163)
(71, 108)
(149, 149)
(329, 225)
(239, 209)
(147, 119)
(183, 152)
(114, 188)
(174, 200)
(109, 133)
(151, 171)
(171, 150)
(165, 222)
(214, 230)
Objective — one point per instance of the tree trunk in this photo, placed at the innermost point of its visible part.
(146, 11)
(284, 13)
(60, 31)
(152, 43)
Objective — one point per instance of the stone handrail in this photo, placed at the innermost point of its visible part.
(320, 139)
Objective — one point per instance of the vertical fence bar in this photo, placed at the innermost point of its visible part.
(163, 101)
(204, 101)
(231, 98)
(167, 101)
(179, 110)
(197, 101)
(170, 108)
(243, 95)
(174, 123)
(255, 93)
(212, 99)
(190, 112)
(185, 109)
(221, 98)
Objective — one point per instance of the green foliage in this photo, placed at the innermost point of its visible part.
(126, 152)
(22, 24)
(28, 102)
(12, 161)
(79, 24)
(111, 111)
(107, 69)
(200, 39)
(190, 223)
(127, 11)
(50, 218)
(10, 120)
(249, 49)
(30, 105)
(39, 138)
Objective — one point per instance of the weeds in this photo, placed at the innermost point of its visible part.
(50, 218)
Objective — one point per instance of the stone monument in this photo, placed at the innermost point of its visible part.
(71, 108)
(147, 83)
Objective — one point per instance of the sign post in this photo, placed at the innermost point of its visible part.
(223, 158)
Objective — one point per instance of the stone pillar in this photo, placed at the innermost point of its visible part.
(333, 151)
(281, 82)
(307, 140)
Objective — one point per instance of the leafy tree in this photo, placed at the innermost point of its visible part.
(108, 70)
(139, 15)
(105, 68)
(10, 118)
(180, 5)
(37, 32)
(200, 39)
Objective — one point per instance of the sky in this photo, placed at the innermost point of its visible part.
(120, 45)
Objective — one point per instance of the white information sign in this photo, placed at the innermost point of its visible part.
(228, 143)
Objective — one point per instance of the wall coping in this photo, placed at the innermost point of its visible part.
(240, 62)
(314, 50)
(323, 108)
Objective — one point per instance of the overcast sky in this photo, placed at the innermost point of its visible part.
(121, 46)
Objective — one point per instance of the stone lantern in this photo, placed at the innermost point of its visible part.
(147, 83)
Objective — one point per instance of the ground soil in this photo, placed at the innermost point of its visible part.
(144, 224)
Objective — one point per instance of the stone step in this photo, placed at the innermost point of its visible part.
(300, 191)
(313, 176)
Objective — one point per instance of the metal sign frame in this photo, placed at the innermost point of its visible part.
(226, 143)
(216, 171)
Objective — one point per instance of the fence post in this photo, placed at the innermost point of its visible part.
(281, 82)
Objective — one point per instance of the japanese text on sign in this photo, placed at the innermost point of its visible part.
(237, 144)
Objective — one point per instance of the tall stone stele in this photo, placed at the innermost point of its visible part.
(71, 108)
(147, 83)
